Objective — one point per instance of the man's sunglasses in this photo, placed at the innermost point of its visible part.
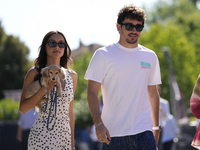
(130, 26)
(53, 44)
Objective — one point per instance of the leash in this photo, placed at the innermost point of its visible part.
(53, 107)
(40, 82)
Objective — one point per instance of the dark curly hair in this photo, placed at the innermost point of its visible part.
(131, 12)
(41, 61)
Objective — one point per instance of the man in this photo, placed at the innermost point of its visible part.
(164, 109)
(169, 131)
(127, 74)
(168, 123)
(164, 112)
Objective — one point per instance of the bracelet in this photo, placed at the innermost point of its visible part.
(96, 114)
(99, 125)
(73, 147)
(156, 128)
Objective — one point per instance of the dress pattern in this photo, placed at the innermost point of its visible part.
(59, 138)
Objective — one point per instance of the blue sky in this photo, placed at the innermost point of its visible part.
(91, 21)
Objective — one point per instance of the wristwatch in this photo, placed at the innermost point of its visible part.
(156, 128)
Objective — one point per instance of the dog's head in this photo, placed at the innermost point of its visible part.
(52, 72)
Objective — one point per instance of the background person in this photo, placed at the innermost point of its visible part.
(169, 131)
(85, 139)
(164, 112)
(25, 123)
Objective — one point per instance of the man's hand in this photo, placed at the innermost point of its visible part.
(156, 134)
(103, 134)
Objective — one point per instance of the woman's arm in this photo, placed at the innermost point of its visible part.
(71, 110)
(27, 104)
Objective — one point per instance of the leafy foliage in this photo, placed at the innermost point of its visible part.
(14, 62)
(175, 24)
(9, 109)
(82, 113)
(81, 109)
(80, 66)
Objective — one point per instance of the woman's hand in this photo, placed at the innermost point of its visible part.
(51, 84)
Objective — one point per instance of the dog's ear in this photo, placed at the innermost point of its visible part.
(63, 76)
(44, 72)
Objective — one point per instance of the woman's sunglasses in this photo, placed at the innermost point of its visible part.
(130, 26)
(53, 44)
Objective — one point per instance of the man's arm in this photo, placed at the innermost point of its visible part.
(155, 104)
(93, 102)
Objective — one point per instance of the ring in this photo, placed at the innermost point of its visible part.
(100, 139)
(54, 83)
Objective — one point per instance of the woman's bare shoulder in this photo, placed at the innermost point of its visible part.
(32, 73)
(29, 78)
(72, 73)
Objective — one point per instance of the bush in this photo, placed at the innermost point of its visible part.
(82, 112)
(9, 109)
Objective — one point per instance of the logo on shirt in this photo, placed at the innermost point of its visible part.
(145, 65)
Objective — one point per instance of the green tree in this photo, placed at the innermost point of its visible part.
(182, 55)
(9, 109)
(80, 66)
(2, 39)
(14, 62)
(175, 24)
(182, 13)
(81, 109)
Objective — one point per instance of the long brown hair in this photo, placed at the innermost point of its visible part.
(41, 61)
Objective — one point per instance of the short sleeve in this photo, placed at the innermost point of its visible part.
(97, 68)
(154, 77)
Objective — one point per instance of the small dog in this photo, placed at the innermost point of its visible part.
(48, 73)
(51, 73)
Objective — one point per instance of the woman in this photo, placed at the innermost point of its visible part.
(195, 108)
(58, 133)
